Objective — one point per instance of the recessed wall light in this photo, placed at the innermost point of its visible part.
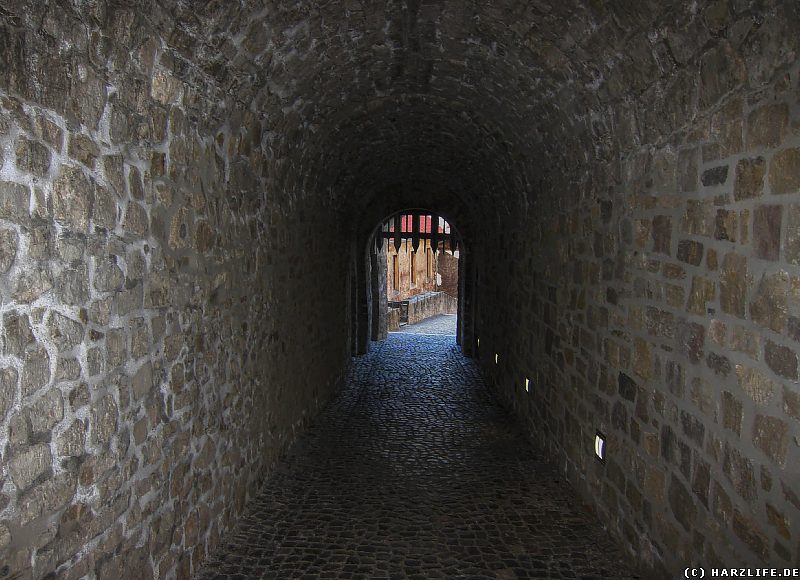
(527, 385)
(496, 358)
(479, 343)
(600, 446)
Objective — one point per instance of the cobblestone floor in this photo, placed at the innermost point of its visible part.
(439, 324)
(414, 471)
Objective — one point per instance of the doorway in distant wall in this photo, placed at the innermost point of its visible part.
(419, 251)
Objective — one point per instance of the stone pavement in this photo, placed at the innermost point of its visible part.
(442, 324)
(415, 471)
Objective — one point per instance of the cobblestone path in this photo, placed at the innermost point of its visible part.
(439, 324)
(414, 471)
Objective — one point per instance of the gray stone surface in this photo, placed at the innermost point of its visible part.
(192, 186)
(415, 471)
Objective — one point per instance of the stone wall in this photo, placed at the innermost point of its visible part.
(183, 186)
(152, 366)
(422, 283)
(657, 299)
(448, 273)
(424, 306)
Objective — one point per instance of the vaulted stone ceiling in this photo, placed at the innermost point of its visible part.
(470, 96)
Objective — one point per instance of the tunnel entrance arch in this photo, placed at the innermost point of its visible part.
(424, 233)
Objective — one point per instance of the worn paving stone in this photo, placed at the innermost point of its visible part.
(415, 470)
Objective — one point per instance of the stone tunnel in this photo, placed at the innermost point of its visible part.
(188, 192)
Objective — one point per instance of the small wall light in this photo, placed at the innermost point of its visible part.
(496, 358)
(600, 446)
(479, 343)
(527, 385)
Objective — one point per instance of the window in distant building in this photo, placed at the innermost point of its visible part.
(429, 262)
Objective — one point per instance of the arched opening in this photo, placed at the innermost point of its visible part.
(407, 250)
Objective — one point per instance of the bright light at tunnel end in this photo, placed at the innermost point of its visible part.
(600, 446)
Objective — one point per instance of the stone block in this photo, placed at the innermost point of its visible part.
(760, 388)
(690, 339)
(32, 284)
(731, 412)
(701, 481)
(702, 292)
(619, 417)
(791, 402)
(33, 157)
(18, 333)
(779, 521)
(726, 131)
(681, 503)
(73, 198)
(15, 202)
(721, 504)
(660, 323)
(698, 219)
(746, 341)
(35, 371)
(771, 435)
(784, 172)
(142, 382)
(135, 184)
(108, 276)
(781, 359)
(721, 69)
(733, 284)
(662, 234)
(67, 369)
(739, 470)
(718, 363)
(72, 442)
(136, 221)
(65, 332)
(83, 150)
(767, 126)
(768, 307)
(116, 347)
(642, 358)
(46, 412)
(693, 428)
(29, 465)
(749, 181)
(690, 252)
(72, 285)
(655, 483)
(115, 173)
(627, 387)
(106, 210)
(46, 497)
(8, 390)
(748, 532)
(715, 176)
(104, 419)
(726, 225)
(767, 231)
(5, 537)
(792, 247)
(8, 249)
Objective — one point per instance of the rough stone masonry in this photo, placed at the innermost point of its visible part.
(185, 189)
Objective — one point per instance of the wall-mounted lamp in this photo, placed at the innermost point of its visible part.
(600, 447)
(527, 385)
(496, 358)
(479, 342)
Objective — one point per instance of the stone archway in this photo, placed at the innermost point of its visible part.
(370, 288)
